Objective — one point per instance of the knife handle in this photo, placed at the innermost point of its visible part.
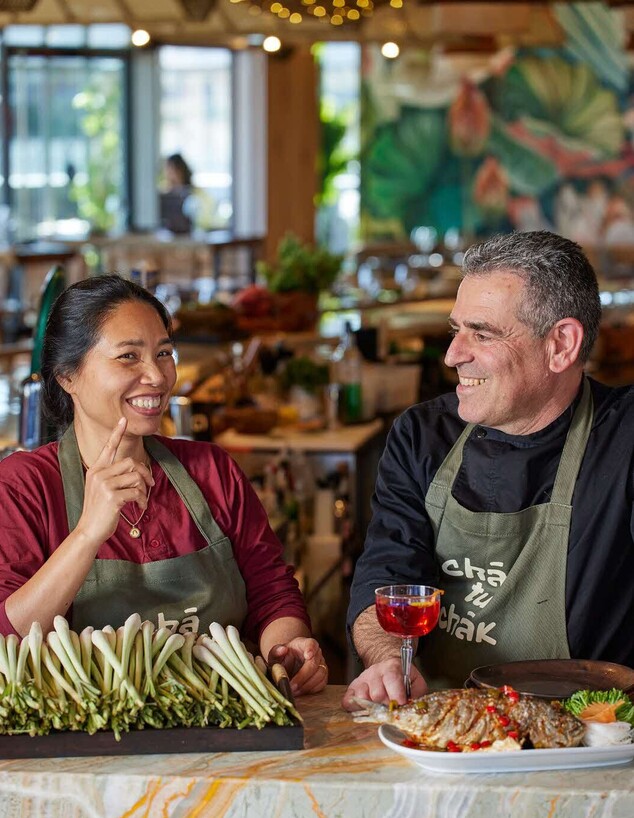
(282, 682)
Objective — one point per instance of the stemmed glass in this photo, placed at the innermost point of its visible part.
(407, 611)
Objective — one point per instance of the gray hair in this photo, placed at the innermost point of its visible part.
(559, 280)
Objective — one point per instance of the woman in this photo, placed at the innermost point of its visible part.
(113, 519)
(183, 205)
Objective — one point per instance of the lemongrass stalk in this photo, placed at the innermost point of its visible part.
(240, 675)
(110, 638)
(4, 659)
(100, 641)
(35, 638)
(159, 638)
(205, 655)
(64, 633)
(177, 664)
(233, 664)
(247, 662)
(95, 672)
(55, 645)
(220, 637)
(147, 630)
(118, 649)
(12, 648)
(74, 640)
(85, 649)
(174, 642)
(186, 650)
(138, 661)
(261, 664)
(131, 627)
(278, 696)
(23, 654)
(58, 678)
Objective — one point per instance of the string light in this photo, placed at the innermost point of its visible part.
(336, 12)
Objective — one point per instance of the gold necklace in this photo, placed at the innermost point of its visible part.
(134, 531)
(134, 527)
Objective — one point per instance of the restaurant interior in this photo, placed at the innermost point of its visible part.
(339, 159)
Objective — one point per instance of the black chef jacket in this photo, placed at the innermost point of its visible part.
(507, 473)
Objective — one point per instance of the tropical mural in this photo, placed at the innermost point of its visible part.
(522, 139)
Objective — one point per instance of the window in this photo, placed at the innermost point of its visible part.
(196, 122)
(338, 211)
(66, 133)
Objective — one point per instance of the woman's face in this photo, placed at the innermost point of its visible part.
(130, 372)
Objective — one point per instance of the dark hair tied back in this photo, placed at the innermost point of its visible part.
(73, 328)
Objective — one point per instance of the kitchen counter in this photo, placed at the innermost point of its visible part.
(344, 772)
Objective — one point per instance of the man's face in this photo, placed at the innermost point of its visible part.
(505, 380)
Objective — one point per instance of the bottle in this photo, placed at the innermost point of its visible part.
(349, 379)
(33, 428)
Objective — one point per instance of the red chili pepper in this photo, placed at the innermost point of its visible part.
(485, 743)
(491, 708)
(475, 745)
(452, 747)
(504, 720)
(513, 734)
(508, 689)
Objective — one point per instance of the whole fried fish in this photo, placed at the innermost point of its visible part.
(462, 719)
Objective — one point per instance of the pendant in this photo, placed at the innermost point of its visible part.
(134, 532)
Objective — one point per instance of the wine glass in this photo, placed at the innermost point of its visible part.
(407, 611)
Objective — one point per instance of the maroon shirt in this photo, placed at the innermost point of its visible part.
(33, 523)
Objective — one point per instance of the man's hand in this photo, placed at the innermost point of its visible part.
(382, 683)
(304, 663)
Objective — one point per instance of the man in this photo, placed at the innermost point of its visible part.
(513, 495)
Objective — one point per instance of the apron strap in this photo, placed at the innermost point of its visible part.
(446, 474)
(574, 448)
(72, 472)
(186, 487)
(73, 482)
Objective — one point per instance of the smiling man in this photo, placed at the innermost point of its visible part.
(513, 495)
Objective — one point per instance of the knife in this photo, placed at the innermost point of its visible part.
(282, 682)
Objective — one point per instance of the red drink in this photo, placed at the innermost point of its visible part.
(407, 617)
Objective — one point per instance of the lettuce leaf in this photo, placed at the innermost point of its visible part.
(582, 698)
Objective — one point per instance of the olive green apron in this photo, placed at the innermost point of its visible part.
(184, 593)
(503, 575)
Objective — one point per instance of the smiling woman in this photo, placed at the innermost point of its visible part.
(113, 519)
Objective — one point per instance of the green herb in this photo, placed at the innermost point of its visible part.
(306, 373)
(577, 703)
(300, 267)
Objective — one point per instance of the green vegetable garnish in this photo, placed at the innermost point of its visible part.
(578, 702)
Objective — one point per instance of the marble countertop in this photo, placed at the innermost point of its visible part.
(343, 772)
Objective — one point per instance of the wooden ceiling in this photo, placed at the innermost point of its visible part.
(464, 25)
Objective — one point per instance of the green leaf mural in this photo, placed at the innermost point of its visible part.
(568, 97)
(401, 162)
(530, 174)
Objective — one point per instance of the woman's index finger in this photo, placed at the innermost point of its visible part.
(109, 451)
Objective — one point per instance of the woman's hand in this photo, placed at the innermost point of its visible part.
(382, 683)
(304, 663)
(109, 486)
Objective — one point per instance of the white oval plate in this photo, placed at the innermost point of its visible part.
(517, 761)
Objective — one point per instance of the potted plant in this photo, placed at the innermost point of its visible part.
(298, 275)
(304, 380)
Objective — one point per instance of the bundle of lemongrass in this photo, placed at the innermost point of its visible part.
(131, 678)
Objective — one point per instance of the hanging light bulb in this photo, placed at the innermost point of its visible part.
(390, 51)
(140, 37)
(272, 44)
